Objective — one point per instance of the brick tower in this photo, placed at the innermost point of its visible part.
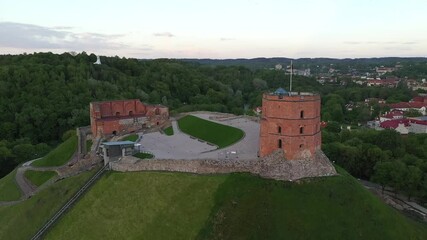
(290, 122)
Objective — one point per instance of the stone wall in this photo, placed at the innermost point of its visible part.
(273, 166)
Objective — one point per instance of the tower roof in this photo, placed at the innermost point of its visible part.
(281, 91)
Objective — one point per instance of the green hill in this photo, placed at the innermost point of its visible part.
(60, 155)
(151, 205)
(9, 190)
(23, 220)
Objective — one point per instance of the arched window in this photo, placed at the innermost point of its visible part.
(302, 114)
(157, 111)
(130, 113)
(279, 129)
(117, 113)
(301, 145)
(279, 143)
(301, 130)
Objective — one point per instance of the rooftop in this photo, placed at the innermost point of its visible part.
(118, 143)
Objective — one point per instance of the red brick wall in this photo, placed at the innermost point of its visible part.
(106, 116)
(281, 120)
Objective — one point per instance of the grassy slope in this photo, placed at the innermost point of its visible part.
(327, 208)
(60, 155)
(23, 220)
(39, 177)
(9, 190)
(237, 206)
(141, 206)
(215, 133)
(132, 137)
(168, 131)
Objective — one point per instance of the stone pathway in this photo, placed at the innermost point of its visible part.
(26, 187)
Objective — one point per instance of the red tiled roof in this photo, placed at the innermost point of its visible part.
(408, 105)
(392, 124)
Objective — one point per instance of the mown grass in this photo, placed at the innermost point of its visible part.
(39, 177)
(9, 190)
(143, 155)
(168, 131)
(132, 137)
(144, 205)
(60, 155)
(218, 134)
(153, 205)
(23, 220)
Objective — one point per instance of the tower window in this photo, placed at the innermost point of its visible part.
(157, 111)
(279, 129)
(279, 144)
(302, 114)
(301, 130)
(301, 145)
(117, 113)
(130, 113)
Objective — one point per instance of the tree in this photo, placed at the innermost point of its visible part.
(382, 174)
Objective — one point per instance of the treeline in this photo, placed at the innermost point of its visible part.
(384, 157)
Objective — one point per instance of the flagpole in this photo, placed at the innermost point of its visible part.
(290, 87)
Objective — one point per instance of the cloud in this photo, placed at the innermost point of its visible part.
(164, 34)
(29, 36)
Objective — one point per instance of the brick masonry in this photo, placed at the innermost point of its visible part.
(290, 123)
(122, 116)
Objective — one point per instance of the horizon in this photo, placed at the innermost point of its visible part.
(217, 30)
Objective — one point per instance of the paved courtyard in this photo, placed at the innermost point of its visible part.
(182, 146)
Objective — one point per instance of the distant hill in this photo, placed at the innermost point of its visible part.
(150, 205)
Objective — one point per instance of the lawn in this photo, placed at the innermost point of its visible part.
(168, 131)
(23, 220)
(132, 138)
(218, 134)
(146, 205)
(39, 177)
(152, 205)
(9, 190)
(143, 155)
(60, 155)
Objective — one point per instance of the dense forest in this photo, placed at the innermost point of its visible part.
(43, 95)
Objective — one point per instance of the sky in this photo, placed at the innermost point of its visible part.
(216, 29)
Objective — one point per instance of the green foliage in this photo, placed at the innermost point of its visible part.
(131, 137)
(9, 190)
(235, 206)
(60, 155)
(39, 177)
(218, 134)
(384, 157)
(143, 155)
(168, 131)
(23, 220)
